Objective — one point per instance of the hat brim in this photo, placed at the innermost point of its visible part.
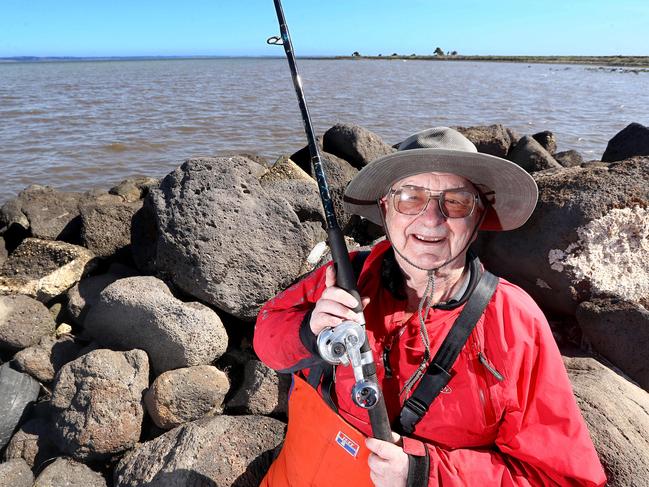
(511, 192)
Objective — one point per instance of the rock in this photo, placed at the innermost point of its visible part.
(263, 391)
(17, 391)
(547, 140)
(631, 141)
(106, 228)
(285, 169)
(43, 360)
(44, 269)
(134, 188)
(587, 237)
(3, 251)
(303, 157)
(32, 443)
(183, 395)
(144, 237)
(569, 158)
(16, 473)
(141, 312)
(489, 139)
(97, 403)
(52, 214)
(355, 144)
(11, 215)
(85, 294)
(617, 415)
(66, 472)
(200, 208)
(531, 156)
(618, 330)
(214, 451)
(23, 321)
(57, 310)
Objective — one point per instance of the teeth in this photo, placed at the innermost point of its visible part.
(428, 239)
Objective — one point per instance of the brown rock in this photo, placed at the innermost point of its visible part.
(106, 228)
(547, 140)
(23, 321)
(531, 155)
(16, 473)
(43, 360)
(32, 443)
(183, 395)
(263, 391)
(355, 144)
(134, 189)
(489, 139)
(68, 473)
(569, 158)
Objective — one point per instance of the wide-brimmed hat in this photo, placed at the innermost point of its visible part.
(510, 192)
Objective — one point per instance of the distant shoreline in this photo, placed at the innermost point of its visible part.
(616, 61)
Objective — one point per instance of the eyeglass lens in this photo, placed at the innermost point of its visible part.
(455, 203)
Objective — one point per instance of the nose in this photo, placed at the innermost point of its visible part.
(432, 214)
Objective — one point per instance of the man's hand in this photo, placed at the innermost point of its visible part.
(388, 462)
(334, 306)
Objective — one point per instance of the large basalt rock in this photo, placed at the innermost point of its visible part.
(263, 391)
(141, 312)
(355, 144)
(183, 395)
(23, 322)
(17, 391)
(531, 155)
(587, 237)
(214, 451)
(97, 403)
(618, 330)
(569, 158)
(44, 269)
(617, 415)
(631, 141)
(68, 473)
(547, 140)
(3, 251)
(106, 227)
(489, 139)
(224, 238)
(85, 294)
(44, 359)
(135, 188)
(16, 473)
(33, 443)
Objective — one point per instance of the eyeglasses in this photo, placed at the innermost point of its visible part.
(453, 203)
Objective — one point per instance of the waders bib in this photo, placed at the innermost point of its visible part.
(320, 449)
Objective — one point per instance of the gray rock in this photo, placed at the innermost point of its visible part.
(11, 214)
(183, 395)
(141, 312)
(355, 144)
(263, 391)
(144, 237)
(23, 322)
(213, 451)
(303, 157)
(617, 415)
(531, 156)
(3, 251)
(223, 238)
(569, 158)
(66, 472)
(43, 360)
(44, 269)
(97, 403)
(285, 169)
(16, 473)
(547, 140)
(85, 294)
(587, 237)
(489, 139)
(135, 188)
(618, 330)
(17, 391)
(106, 228)
(32, 443)
(631, 141)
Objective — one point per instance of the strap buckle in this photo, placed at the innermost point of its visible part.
(411, 413)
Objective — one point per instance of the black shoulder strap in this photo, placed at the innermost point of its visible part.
(439, 370)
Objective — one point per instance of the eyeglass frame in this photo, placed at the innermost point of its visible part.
(477, 198)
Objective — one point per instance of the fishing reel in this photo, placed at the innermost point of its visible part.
(342, 345)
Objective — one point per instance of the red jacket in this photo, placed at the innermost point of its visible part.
(525, 430)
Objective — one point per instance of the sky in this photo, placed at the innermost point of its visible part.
(336, 27)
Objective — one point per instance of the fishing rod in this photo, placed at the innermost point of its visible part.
(347, 343)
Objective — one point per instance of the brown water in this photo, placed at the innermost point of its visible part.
(79, 125)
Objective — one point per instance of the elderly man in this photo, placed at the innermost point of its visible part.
(504, 413)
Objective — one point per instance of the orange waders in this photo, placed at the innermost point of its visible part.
(320, 449)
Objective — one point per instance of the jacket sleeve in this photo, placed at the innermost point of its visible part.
(542, 439)
(283, 339)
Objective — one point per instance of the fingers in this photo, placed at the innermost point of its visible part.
(330, 276)
(388, 463)
(384, 450)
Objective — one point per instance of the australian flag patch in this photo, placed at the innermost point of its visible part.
(347, 443)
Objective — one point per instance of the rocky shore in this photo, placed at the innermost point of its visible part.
(126, 316)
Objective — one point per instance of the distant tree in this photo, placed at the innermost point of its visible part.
(394, 54)
(380, 55)
(454, 53)
(356, 54)
(413, 55)
(438, 51)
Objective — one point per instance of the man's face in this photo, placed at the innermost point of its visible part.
(429, 239)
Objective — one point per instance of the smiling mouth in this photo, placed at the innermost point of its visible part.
(427, 239)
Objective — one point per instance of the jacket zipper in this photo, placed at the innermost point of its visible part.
(483, 390)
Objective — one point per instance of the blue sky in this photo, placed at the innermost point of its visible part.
(234, 28)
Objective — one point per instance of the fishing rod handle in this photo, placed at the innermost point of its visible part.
(345, 278)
